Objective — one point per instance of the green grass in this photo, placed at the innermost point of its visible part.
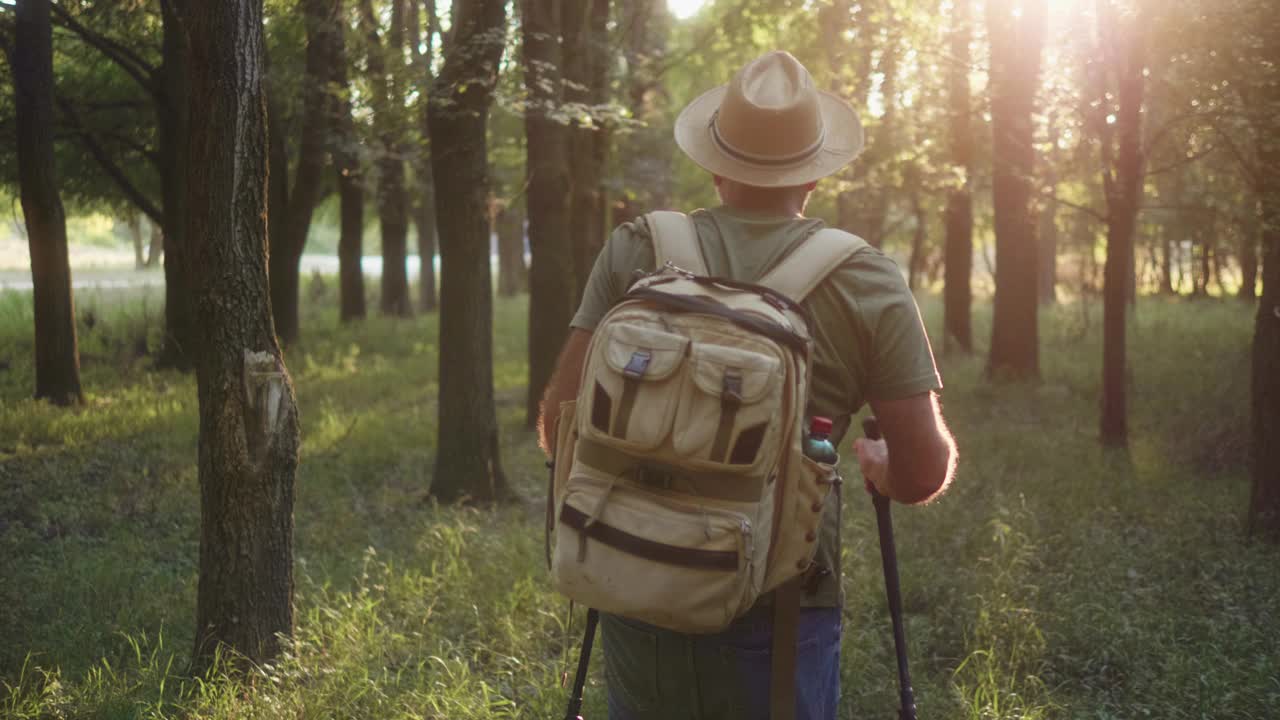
(1055, 580)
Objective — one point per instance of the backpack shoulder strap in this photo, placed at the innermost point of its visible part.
(676, 241)
(808, 265)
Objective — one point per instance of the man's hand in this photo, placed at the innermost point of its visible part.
(873, 459)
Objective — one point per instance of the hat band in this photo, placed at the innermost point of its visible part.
(770, 160)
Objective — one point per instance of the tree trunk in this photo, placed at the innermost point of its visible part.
(1047, 282)
(511, 270)
(180, 336)
(1248, 291)
(552, 288)
(321, 18)
(1166, 260)
(393, 199)
(915, 263)
(644, 153)
(1016, 41)
(133, 221)
(350, 187)
(958, 217)
(586, 48)
(1264, 498)
(468, 463)
(425, 212)
(1126, 59)
(248, 419)
(155, 246)
(57, 355)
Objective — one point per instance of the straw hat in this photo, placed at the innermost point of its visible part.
(770, 127)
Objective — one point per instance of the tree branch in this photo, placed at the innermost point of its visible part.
(1080, 208)
(112, 170)
(139, 69)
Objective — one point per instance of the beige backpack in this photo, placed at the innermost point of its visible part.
(680, 491)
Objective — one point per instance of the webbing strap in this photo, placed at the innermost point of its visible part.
(786, 634)
(806, 266)
(675, 241)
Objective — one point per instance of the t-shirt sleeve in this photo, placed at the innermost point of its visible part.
(897, 360)
(629, 249)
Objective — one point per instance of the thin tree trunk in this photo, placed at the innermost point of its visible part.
(1047, 282)
(585, 49)
(511, 270)
(1166, 260)
(425, 211)
(551, 263)
(958, 217)
(321, 18)
(57, 355)
(1016, 41)
(1123, 54)
(133, 221)
(180, 336)
(1248, 291)
(248, 452)
(155, 246)
(468, 461)
(350, 178)
(393, 200)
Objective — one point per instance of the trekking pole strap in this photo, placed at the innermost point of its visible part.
(786, 635)
(584, 661)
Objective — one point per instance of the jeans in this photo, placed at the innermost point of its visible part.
(656, 673)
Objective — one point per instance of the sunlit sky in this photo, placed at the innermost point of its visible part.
(685, 8)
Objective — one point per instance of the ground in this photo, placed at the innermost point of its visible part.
(1055, 579)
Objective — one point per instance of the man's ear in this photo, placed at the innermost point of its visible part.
(808, 187)
(716, 179)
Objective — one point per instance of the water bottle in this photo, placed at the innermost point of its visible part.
(817, 442)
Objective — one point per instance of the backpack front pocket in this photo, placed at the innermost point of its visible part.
(632, 385)
(629, 552)
(730, 407)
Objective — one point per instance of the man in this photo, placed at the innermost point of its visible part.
(767, 138)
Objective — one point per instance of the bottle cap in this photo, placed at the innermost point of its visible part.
(819, 425)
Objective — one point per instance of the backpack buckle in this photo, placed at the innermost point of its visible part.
(638, 364)
(732, 387)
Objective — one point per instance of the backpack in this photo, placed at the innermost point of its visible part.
(680, 493)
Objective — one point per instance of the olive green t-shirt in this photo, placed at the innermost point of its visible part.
(869, 340)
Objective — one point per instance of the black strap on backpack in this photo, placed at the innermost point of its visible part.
(584, 660)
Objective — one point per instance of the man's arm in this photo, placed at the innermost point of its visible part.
(562, 387)
(922, 450)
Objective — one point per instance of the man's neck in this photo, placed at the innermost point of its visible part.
(782, 210)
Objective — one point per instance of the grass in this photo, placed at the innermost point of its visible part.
(1055, 580)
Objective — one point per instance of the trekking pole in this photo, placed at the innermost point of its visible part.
(889, 558)
(584, 660)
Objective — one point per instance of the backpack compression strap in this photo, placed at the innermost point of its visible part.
(808, 265)
(675, 241)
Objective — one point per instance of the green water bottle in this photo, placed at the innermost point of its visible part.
(817, 442)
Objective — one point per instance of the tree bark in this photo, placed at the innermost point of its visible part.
(1123, 50)
(155, 247)
(1016, 41)
(1264, 498)
(57, 355)
(1248, 291)
(393, 200)
(552, 288)
(350, 187)
(512, 276)
(248, 419)
(180, 335)
(958, 216)
(425, 211)
(585, 48)
(468, 462)
(321, 18)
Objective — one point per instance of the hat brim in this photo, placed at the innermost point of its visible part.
(842, 143)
